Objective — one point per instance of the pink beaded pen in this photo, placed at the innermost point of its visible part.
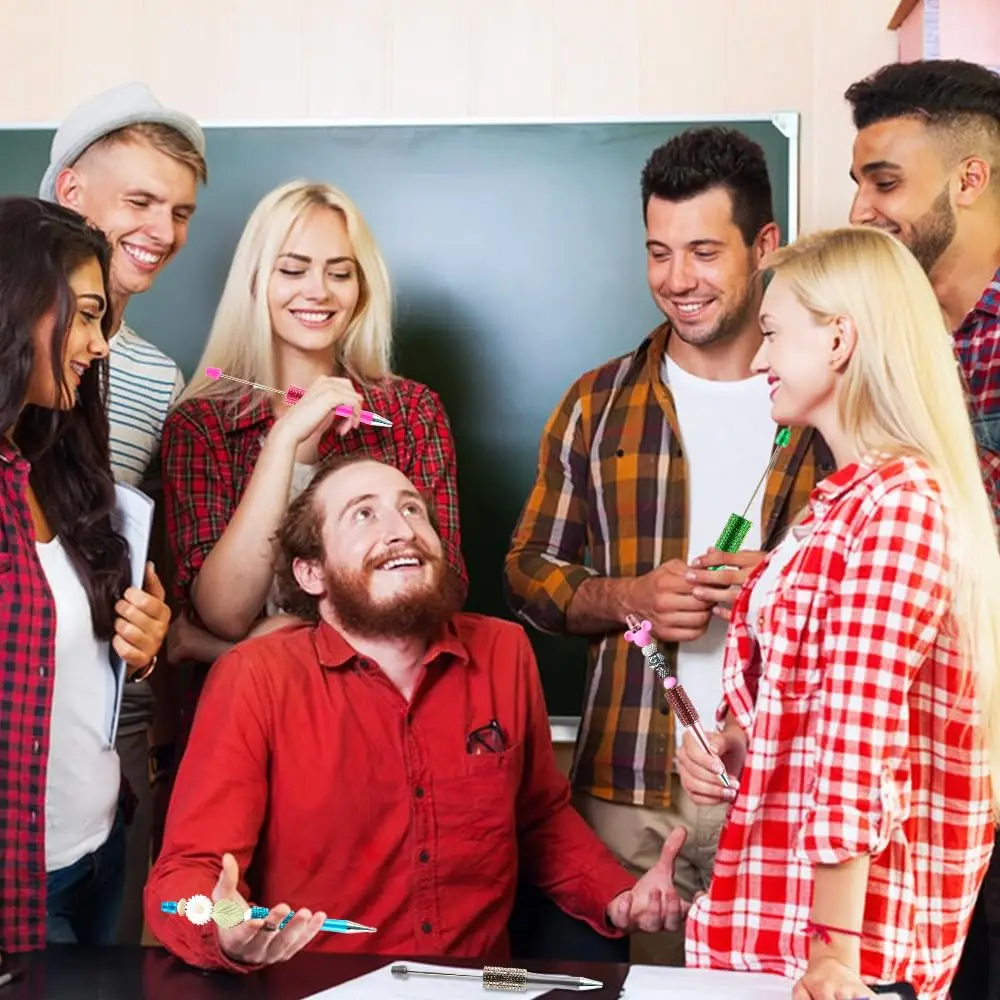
(685, 712)
(293, 394)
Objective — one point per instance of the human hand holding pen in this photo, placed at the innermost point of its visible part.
(258, 942)
(699, 771)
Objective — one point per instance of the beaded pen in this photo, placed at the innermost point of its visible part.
(228, 913)
(639, 632)
(737, 527)
(294, 393)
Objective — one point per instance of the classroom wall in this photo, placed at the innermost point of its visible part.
(970, 29)
(226, 60)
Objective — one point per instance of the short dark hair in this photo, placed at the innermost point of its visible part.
(936, 90)
(300, 536)
(958, 100)
(700, 159)
(41, 245)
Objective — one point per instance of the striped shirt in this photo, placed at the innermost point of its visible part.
(610, 499)
(143, 385)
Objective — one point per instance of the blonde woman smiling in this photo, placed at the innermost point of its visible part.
(861, 704)
(307, 303)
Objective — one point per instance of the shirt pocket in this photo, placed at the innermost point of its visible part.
(476, 812)
(987, 431)
(792, 640)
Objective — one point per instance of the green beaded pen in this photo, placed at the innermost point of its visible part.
(735, 531)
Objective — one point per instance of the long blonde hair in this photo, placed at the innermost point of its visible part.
(241, 341)
(903, 394)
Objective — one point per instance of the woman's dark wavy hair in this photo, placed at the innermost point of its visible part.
(41, 245)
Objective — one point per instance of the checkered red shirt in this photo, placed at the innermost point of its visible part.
(977, 344)
(210, 449)
(27, 677)
(862, 740)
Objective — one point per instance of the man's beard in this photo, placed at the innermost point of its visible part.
(933, 232)
(418, 613)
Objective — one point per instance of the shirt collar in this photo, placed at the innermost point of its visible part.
(989, 301)
(841, 482)
(335, 652)
(654, 347)
(9, 453)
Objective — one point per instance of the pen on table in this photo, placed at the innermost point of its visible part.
(294, 393)
(685, 712)
(513, 980)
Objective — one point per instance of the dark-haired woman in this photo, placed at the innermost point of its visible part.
(65, 599)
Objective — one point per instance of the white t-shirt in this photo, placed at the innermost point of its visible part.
(767, 580)
(83, 776)
(727, 436)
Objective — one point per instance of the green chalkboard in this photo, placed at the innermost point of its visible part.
(516, 252)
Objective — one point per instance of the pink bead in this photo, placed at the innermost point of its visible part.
(294, 394)
(641, 636)
(214, 373)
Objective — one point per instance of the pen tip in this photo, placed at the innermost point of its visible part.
(590, 984)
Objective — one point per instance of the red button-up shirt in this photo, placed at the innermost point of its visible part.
(210, 449)
(863, 740)
(27, 678)
(306, 761)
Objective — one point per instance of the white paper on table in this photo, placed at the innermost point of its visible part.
(653, 982)
(382, 985)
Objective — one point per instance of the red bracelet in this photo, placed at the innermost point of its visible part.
(822, 931)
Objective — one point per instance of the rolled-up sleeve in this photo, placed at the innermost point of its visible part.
(198, 493)
(880, 625)
(544, 568)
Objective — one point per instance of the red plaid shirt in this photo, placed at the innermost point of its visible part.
(977, 344)
(210, 449)
(27, 678)
(863, 739)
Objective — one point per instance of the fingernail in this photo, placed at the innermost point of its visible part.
(690, 577)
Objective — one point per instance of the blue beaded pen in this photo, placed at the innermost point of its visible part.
(226, 913)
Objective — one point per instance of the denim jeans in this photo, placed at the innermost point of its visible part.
(84, 899)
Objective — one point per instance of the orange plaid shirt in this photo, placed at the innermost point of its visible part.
(864, 739)
(610, 499)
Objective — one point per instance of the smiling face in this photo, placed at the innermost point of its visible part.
(314, 289)
(383, 572)
(800, 358)
(83, 344)
(903, 187)
(699, 269)
(143, 201)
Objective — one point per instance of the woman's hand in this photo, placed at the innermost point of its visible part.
(315, 410)
(828, 979)
(700, 773)
(142, 622)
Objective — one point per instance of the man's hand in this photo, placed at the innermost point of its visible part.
(828, 979)
(719, 587)
(259, 942)
(666, 599)
(652, 904)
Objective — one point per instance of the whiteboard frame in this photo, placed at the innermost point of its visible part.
(786, 122)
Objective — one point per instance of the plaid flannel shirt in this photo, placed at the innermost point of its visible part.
(612, 489)
(977, 345)
(27, 682)
(863, 740)
(211, 447)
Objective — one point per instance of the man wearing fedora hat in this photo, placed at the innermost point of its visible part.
(132, 166)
